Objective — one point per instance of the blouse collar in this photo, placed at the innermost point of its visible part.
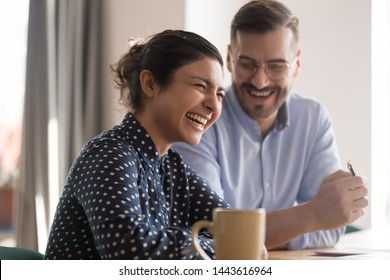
(140, 139)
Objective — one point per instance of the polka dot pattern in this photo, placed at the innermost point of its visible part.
(122, 201)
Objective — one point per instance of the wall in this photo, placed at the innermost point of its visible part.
(336, 55)
(336, 69)
(124, 19)
(213, 23)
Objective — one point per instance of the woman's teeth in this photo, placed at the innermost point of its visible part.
(197, 118)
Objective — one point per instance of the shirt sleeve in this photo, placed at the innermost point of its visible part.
(323, 155)
(204, 159)
(318, 239)
(323, 161)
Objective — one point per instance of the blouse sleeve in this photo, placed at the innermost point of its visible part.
(203, 201)
(126, 209)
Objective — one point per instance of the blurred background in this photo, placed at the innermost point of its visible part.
(56, 89)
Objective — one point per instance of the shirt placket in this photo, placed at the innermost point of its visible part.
(159, 175)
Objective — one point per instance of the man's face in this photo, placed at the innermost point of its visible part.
(263, 67)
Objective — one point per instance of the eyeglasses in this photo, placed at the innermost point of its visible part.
(275, 70)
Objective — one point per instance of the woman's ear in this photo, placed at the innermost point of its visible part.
(148, 85)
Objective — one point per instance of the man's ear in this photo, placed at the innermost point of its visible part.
(148, 84)
(297, 64)
(229, 59)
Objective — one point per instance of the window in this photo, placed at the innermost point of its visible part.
(13, 31)
(380, 197)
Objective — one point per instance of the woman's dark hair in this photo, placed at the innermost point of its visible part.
(162, 54)
(263, 16)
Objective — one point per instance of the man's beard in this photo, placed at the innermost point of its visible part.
(261, 111)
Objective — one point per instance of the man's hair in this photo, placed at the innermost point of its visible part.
(263, 16)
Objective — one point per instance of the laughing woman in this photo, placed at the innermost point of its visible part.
(128, 195)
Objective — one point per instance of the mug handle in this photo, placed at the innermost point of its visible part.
(196, 227)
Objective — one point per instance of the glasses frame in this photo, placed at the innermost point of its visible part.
(257, 66)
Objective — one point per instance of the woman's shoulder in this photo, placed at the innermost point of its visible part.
(102, 152)
(108, 141)
(107, 147)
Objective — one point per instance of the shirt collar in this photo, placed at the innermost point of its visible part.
(139, 138)
(283, 117)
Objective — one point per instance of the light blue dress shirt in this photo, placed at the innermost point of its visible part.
(285, 168)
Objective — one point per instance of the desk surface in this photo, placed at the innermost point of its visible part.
(293, 255)
(356, 245)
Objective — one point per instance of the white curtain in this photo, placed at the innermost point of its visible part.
(63, 87)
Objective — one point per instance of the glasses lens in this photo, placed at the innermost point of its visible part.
(276, 70)
(245, 67)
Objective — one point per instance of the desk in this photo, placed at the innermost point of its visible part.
(366, 243)
(294, 255)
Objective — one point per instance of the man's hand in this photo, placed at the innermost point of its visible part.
(339, 201)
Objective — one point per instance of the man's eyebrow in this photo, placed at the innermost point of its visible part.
(268, 61)
(247, 57)
(277, 60)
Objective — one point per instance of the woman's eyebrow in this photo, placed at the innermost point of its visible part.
(208, 82)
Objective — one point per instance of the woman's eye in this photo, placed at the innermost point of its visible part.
(201, 86)
(221, 95)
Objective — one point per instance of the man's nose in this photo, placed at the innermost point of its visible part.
(260, 78)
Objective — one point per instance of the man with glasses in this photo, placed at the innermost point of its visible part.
(272, 148)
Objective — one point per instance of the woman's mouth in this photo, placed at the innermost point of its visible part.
(197, 119)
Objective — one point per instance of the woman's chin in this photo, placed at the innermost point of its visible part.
(193, 140)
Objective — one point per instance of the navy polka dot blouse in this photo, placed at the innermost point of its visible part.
(122, 201)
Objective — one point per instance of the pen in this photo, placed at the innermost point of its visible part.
(350, 168)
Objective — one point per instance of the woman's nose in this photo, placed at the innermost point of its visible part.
(212, 103)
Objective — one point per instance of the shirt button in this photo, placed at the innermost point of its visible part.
(267, 185)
